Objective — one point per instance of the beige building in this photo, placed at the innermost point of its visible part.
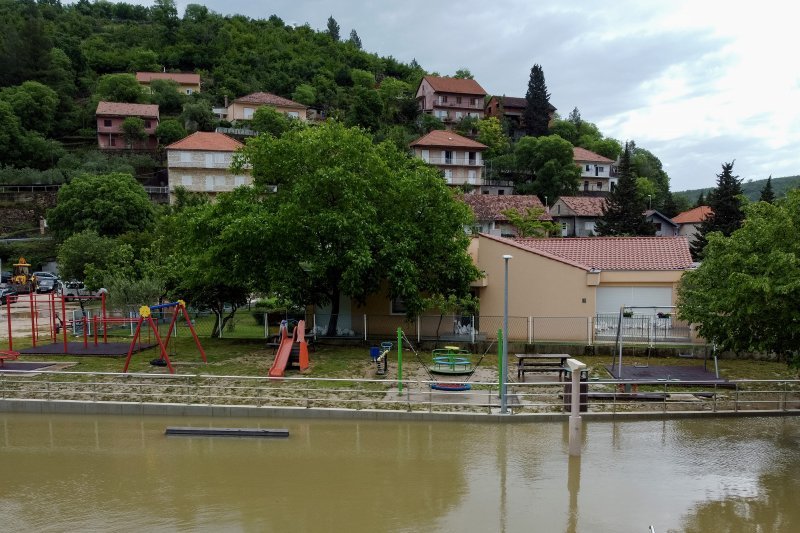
(188, 82)
(460, 159)
(577, 215)
(580, 277)
(201, 163)
(689, 221)
(244, 107)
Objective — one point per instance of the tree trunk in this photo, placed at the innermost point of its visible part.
(333, 321)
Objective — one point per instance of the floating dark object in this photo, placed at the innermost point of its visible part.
(227, 432)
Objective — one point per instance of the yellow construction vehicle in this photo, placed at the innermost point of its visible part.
(21, 280)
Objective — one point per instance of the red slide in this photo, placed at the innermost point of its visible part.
(285, 350)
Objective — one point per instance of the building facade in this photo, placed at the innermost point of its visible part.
(489, 212)
(460, 159)
(511, 110)
(577, 215)
(201, 163)
(596, 171)
(188, 82)
(111, 115)
(451, 99)
(244, 107)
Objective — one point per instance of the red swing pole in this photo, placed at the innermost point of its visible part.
(133, 342)
(33, 319)
(182, 307)
(103, 311)
(164, 354)
(8, 316)
(64, 323)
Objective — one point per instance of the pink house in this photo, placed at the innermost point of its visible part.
(110, 116)
(450, 99)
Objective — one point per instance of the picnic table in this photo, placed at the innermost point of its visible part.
(542, 363)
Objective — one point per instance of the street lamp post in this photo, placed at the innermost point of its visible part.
(504, 362)
(649, 201)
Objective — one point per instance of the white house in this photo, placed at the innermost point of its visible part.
(201, 163)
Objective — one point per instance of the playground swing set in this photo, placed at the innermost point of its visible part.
(94, 330)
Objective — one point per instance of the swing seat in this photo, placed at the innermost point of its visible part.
(451, 386)
(158, 362)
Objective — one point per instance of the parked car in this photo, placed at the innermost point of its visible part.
(45, 275)
(5, 277)
(47, 285)
(74, 288)
(7, 294)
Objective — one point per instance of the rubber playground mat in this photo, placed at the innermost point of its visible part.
(77, 348)
(664, 373)
(27, 365)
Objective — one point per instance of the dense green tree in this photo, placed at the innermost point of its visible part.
(34, 103)
(743, 296)
(726, 215)
(645, 164)
(197, 117)
(333, 28)
(305, 94)
(549, 161)
(530, 224)
(537, 113)
(351, 216)
(610, 148)
(269, 120)
(701, 200)
(463, 74)
(767, 194)
(362, 78)
(133, 131)
(89, 257)
(110, 204)
(623, 212)
(166, 94)
(119, 88)
(491, 134)
(366, 109)
(170, 131)
(354, 39)
(565, 129)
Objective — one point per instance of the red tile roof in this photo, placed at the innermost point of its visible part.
(616, 253)
(186, 78)
(582, 154)
(455, 85)
(119, 109)
(206, 141)
(584, 206)
(268, 99)
(693, 216)
(447, 139)
(491, 206)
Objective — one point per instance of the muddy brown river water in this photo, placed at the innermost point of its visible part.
(120, 473)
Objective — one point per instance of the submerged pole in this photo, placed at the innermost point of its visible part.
(399, 360)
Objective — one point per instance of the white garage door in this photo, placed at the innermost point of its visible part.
(610, 299)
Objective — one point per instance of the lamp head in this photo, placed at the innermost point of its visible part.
(507, 257)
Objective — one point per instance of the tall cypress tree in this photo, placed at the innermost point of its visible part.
(333, 28)
(537, 111)
(355, 40)
(623, 213)
(767, 194)
(726, 209)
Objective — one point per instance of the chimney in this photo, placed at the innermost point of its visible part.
(226, 101)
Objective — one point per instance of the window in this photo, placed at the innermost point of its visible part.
(599, 185)
(186, 181)
(186, 157)
(474, 102)
(219, 181)
(219, 158)
(442, 99)
(209, 183)
(248, 113)
(398, 306)
(585, 185)
(558, 209)
(657, 225)
(189, 91)
(148, 124)
(458, 99)
(112, 141)
(601, 169)
(588, 168)
(293, 114)
(501, 192)
(471, 175)
(471, 158)
(238, 181)
(448, 157)
(426, 155)
(459, 115)
(107, 122)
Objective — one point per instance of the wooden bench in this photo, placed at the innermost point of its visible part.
(539, 369)
(541, 363)
(7, 355)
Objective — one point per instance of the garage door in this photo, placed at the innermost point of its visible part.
(610, 299)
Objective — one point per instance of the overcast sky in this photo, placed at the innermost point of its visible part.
(696, 82)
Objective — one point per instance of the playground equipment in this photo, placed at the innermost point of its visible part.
(291, 349)
(380, 356)
(451, 360)
(145, 314)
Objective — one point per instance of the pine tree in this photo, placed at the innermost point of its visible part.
(767, 194)
(355, 40)
(575, 118)
(726, 209)
(623, 213)
(669, 207)
(537, 111)
(333, 28)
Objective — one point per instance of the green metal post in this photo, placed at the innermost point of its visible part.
(399, 360)
(499, 362)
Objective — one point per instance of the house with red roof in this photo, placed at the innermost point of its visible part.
(577, 214)
(596, 171)
(689, 221)
(244, 107)
(201, 163)
(111, 115)
(489, 212)
(450, 99)
(511, 109)
(188, 82)
(460, 159)
(581, 277)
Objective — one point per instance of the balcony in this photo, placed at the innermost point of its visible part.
(463, 180)
(455, 161)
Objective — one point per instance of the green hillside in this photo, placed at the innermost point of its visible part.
(751, 189)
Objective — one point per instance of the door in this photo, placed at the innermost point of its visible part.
(610, 299)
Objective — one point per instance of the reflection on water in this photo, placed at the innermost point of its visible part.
(122, 473)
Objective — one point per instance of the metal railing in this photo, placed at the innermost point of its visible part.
(456, 161)
(548, 397)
